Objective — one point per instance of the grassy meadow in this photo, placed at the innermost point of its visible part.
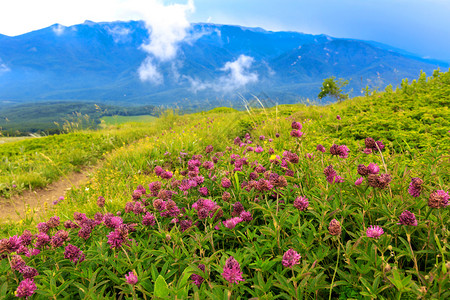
(344, 201)
(117, 120)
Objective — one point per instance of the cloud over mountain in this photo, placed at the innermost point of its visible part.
(135, 62)
(238, 76)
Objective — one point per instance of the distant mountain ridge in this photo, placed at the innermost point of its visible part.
(101, 62)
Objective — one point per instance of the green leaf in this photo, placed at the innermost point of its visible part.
(161, 288)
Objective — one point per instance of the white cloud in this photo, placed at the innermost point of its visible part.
(238, 76)
(149, 72)
(3, 67)
(167, 26)
(58, 29)
(119, 34)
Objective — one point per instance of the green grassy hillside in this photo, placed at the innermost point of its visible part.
(342, 201)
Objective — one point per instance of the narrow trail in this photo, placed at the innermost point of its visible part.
(14, 209)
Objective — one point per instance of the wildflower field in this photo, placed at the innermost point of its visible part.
(349, 200)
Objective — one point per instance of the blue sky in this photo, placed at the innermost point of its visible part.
(418, 26)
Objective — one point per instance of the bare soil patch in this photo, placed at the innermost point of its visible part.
(14, 209)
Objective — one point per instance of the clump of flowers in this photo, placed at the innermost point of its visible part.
(197, 279)
(372, 168)
(149, 219)
(17, 263)
(438, 199)
(335, 227)
(407, 218)
(26, 288)
(331, 175)
(74, 254)
(374, 231)
(415, 187)
(231, 223)
(301, 203)
(131, 278)
(372, 145)
(359, 180)
(232, 271)
(296, 125)
(341, 151)
(290, 258)
(321, 148)
(226, 183)
(379, 181)
(100, 201)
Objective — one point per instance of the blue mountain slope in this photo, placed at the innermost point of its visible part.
(100, 61)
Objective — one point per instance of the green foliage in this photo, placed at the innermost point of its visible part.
(333, 88)
(59, 117)
(405, 262)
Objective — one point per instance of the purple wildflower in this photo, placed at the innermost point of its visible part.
(203, 191)
(291, 258)
(374, 231)
(185, 225)
(85, 232)
(301, 203)
(158, 170)
(41, 240)
(246, 216)
(359, 181)
(330, 173)
(415, 187)
(320, 148)
(29, 272)
(197, 279)
(226, 196)
(226, 183)
(26, 288)
(209, 149)
(53, 222)
(237, 209)
(438, 199)
(17, 263)
(74, 254)
(232, 271)
(43, 227)
(115, 239)
(167, 175)
(373, 168)
(380, 145)
(296, 133)
(367, 150)
(407, 218)
(131, 278)
(231, 223)
(296, 125)
(149, 219)
(208, 165)
(335, 227)
(263, 185)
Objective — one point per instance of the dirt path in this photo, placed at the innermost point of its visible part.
(14, 209)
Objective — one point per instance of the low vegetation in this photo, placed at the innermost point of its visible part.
(344, 201)
(46, 118)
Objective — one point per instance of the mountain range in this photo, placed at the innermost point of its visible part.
(212, 64)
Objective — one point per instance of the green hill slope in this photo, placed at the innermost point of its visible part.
(294, 201)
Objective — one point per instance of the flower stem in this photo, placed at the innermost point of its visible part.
(335, 269)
